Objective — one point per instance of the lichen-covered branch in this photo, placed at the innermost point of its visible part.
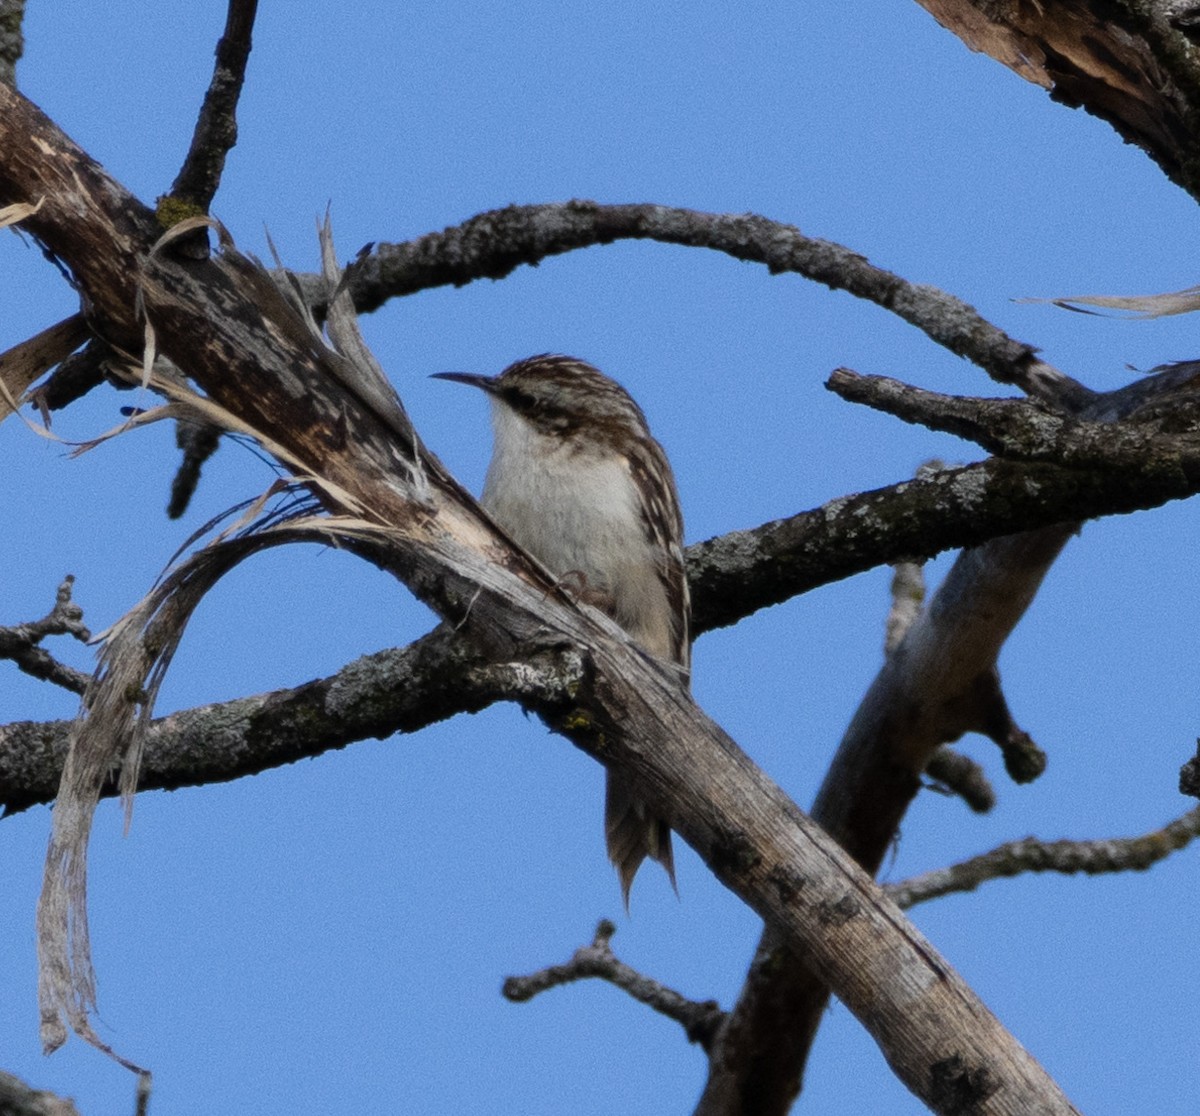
(492, 245)
(219, 321)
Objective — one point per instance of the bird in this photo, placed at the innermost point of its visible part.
(578, 481)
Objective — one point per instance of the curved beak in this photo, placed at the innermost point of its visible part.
(484, 383)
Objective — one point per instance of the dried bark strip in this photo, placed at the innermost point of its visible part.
(938, 1037)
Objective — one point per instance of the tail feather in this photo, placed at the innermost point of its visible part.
(633, 834)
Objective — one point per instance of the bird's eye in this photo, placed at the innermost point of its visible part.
(521, 401)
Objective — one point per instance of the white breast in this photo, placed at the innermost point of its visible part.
(577, 511)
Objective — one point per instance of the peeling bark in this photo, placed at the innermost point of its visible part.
(216, 321)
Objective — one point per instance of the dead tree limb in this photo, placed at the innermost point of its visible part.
(1132, 63)
(216, 321)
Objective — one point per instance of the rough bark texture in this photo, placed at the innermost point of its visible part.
(927, 693)
(1133, 63)
(216, 320)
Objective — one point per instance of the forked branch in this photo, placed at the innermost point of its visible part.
(699, 1019)
(218, 322)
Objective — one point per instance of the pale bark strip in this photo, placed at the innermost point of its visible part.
(938, 1037)
(24, 363)
(941, 682)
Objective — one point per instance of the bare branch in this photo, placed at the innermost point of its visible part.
(12, 41)
(749, 570)
(221, 321)
(18, 1099)
(1026, 431)
(193, 190)
(699, 1020)
(1015, 858)
(867, 789)
(216, 127)
(948, 770)
(21, 643)
(1133, 64)
(24, 363)
(74, 378)
(491, 245)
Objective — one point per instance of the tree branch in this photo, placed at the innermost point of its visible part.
(24, 363)
(400, 690)
(699, 1020)
(962, 776)
(730, 577)
(12, 40)
(18, 1099)
(220, 322)
(1132, 63)
(216, 126)
(920, 700)
(1025, 431)
(927, 694)
(1015, 858)
(492, 245)
(21, 642)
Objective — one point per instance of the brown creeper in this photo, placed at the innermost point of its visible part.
(577, 480)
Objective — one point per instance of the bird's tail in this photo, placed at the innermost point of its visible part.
(633, 834)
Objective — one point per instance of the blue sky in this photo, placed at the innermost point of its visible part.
(335, 933)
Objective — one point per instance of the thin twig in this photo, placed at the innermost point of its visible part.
(216, 127)
(1116, 854)
(20, 643)
(700, 1020)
